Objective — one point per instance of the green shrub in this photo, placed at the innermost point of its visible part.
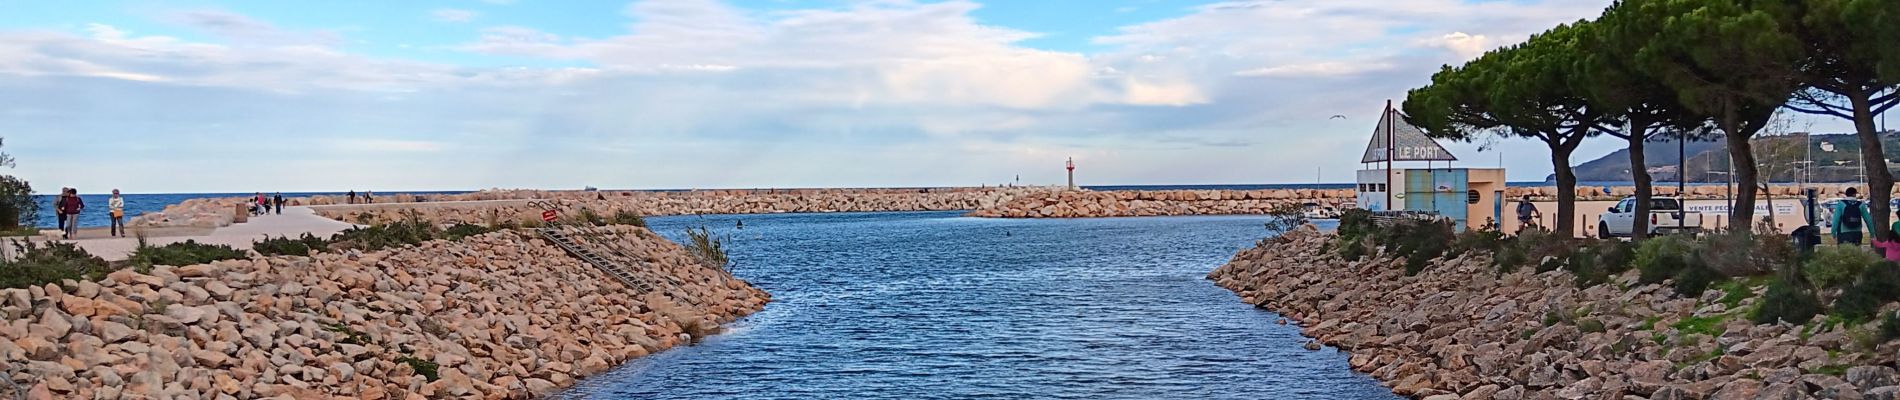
(1869, 290)
(284, 246)
(1285, 217)
(1836, 266)
(1694, 277)
(1509, 257)
(36, 265)
(1484, 240)
(1590, 326)
(1785, 301)
(1417, 241)
(1660, 258)
(707, 248)
(1889, 327)
(1352, 250)
(625, 217)
(188, 252)
(1355, 224)
(464, 230)
(1595, 264)
(18, 206)
(411, 230)
(586, 217)
(1741, 253)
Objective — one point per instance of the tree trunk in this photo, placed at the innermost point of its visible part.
(1639, 174)
(1741, 155)
(1566, 190)
(1873, 158)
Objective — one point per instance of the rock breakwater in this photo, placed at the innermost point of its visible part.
(1089, 204)
(488, 207)
(502, 315)
(1461, 330)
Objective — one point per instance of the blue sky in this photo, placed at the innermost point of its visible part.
(186, 96)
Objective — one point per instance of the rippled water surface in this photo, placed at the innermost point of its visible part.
(933, 305)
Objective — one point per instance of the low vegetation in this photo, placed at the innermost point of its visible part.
(284, 246)
(1848, 285)
(624, 217)
(708, 248)
(188, 252)
(34, 264)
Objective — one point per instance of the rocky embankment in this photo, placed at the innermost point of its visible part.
(502, 315)
(1460, 330)
(504, 206)
(1089, 204)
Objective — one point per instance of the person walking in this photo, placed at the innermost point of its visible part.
(260, 206)
(1526, 213)
(70, 206)
(368, 197)
(279, 200)
(116, 205)
(1850, 216)
(352, 197)
(59, 210)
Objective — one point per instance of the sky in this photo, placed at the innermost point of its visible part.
(238, 96)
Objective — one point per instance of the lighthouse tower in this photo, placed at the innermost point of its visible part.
(1071, 165)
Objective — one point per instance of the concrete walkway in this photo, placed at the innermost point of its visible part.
(294, 222)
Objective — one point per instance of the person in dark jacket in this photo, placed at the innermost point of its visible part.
(279, 200)
(71, 205)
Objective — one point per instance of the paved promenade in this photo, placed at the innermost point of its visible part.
(293, 222)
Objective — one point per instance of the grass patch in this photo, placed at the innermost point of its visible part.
(1736, 290)
(1710, 325)
(426, 368)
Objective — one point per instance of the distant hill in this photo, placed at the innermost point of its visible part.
(1836, 158)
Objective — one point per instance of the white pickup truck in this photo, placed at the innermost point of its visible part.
(1665, 216)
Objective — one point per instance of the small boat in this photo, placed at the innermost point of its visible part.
(1317, 211)
(590, 189)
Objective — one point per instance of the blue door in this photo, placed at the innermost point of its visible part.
(1439, 191)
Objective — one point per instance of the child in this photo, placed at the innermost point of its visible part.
(1891, 249)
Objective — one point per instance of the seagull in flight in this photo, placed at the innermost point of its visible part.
(1337, 116)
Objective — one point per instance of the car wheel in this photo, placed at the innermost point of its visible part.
(1603, 231)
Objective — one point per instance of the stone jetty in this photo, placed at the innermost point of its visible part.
(1461, 330)
(502, 315)
(1131, 203)
(501, 206)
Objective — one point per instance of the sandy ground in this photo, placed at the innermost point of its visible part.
(293, 222)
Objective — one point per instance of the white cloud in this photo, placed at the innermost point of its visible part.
(1465, 45)
(452, 15)
(802, 96)
(1163, 94)
(1315, 70)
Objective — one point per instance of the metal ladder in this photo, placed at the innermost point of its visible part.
(614, 269)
